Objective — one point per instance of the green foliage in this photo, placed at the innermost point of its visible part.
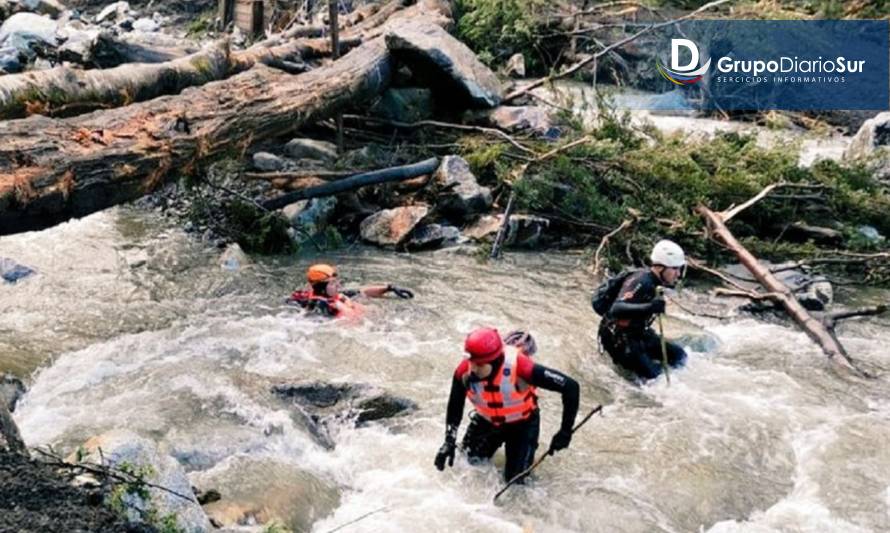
(256, 230)
(200, 26)
(497, 29)
(275, 527)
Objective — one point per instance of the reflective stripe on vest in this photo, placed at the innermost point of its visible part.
(500, 401)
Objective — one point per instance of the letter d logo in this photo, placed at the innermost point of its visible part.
(675, 55)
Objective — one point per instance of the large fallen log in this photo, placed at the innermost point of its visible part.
(780, 293)
(52, 170)
(64, 91)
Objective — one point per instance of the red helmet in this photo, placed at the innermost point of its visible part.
(484, 345)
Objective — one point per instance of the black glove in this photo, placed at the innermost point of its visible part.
(445, 452)
(656, 306)
(560, 441)
(404, 294)
(522, 339)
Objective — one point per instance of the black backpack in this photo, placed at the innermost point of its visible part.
(606, 294)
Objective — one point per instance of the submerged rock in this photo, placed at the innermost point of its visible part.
(322, 404)
(392, 226)
(311, 216)
(261, 490)
(124, 447)
(12, 272)
(233, 258)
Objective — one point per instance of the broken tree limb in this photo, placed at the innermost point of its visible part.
(831, 319)
(375, 177)
(605, 242)
(782, 295)
(502, 231)
(618, 44)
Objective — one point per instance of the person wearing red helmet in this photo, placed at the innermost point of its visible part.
(325, 296)
(501, 382)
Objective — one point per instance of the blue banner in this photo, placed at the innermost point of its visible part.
(775, 64)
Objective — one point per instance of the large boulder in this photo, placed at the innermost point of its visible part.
(113, 12)
(125, 449)
(462, 195)
(52, 8)
(355, 401)
(872, 142)
(233, 258)
(449, 65)
(311, 149)
(392, 226)
(410, 104)
(11, 272)
(262, 491)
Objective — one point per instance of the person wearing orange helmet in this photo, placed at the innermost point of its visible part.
(325, 296)
(501, 381)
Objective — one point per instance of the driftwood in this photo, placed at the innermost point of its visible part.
(375, 177)
(80, 165)
(9, 431)
(779, 293)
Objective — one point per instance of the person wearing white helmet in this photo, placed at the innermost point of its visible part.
(625, 330)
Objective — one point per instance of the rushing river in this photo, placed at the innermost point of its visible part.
(129, 323)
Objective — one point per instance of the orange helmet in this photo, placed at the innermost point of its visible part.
(484, 345)
(320, 273)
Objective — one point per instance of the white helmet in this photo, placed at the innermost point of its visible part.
(668, 253)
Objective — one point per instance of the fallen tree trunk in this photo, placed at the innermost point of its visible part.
(64, 91)
(375, 177)
(780, 293)
(52, 170)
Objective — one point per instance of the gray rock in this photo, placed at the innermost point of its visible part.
(23, 30)
(872, 143)
(11, 390)
(119, 447)
(363, 403)
(112, 12)
(268, 162)
(79, 45)
(146, 24)
(431, 236)
(515, 66)
(392, 226)
(405, 105)
(523, 231)
(813, 292)
(233, 258)
(462, 195)
(871, 234)
(11, 272)
(449, 64)
(310, 216)
(524, 118)
(310, 149)
(10, 60)
(52, 8)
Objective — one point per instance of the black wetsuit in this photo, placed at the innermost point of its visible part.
(520, 439)
(626, 334)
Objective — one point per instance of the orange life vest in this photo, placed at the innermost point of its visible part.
(501, 400)
(340, 304)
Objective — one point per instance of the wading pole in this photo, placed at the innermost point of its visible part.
(549, 451)
(664, 351)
